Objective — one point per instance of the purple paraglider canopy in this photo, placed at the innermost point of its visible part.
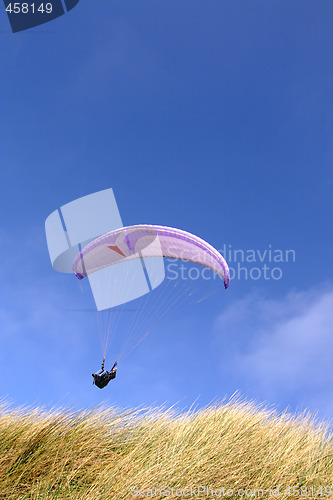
(132, 242)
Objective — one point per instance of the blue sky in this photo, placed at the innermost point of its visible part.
(215, 117)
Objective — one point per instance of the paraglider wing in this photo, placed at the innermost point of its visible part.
(132, 242)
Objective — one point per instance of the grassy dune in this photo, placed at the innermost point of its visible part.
(103, 454)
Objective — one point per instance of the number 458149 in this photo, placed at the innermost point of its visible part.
(25, 8)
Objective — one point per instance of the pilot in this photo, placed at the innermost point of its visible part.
(103, 377)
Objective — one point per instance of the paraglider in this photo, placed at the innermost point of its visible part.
(86, 236)
(139, 242)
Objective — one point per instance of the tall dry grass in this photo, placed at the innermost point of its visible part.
(111, 454)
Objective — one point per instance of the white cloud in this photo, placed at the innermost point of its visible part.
(282, 349)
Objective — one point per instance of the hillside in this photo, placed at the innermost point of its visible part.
(113, 454)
